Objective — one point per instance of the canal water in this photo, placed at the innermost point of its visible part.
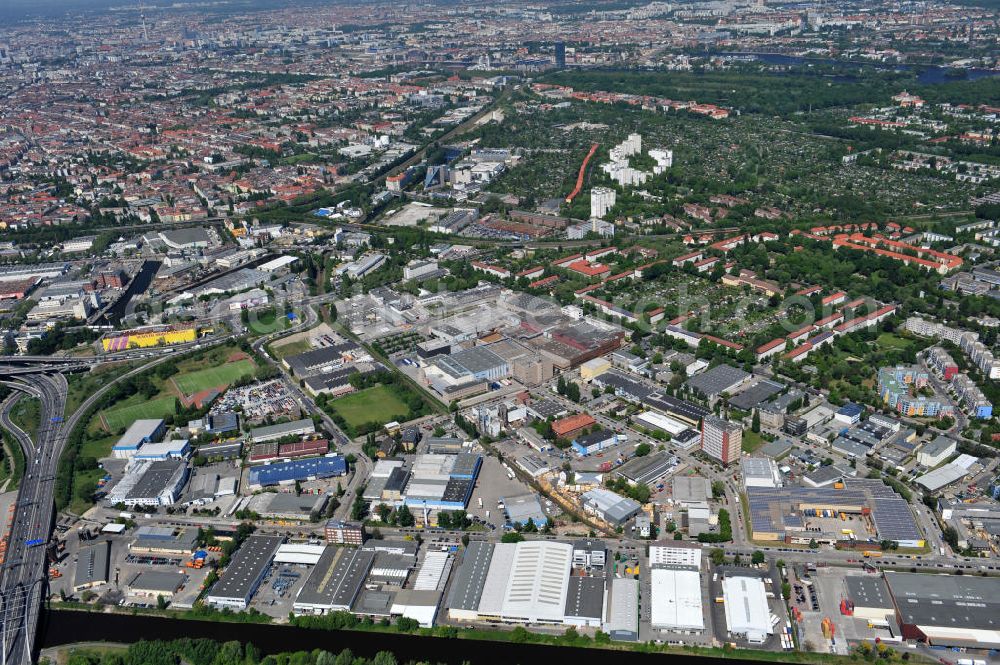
(136, 287)
(63, 627)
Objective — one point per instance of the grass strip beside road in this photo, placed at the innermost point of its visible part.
(27, 415)
(12, 466)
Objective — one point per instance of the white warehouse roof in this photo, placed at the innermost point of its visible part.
(495, 585)
(539, 575)
(139, 432)
(280, 262)
(660, 421)
(527, 582)
(433, 569)
(299, 553)
(676, 599)
(747, 612)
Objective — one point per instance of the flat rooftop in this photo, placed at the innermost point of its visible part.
(961, 602)
(868, 591)
(719, 379)
(756, 394)
(585, 597)
(157, 580)
(338, 578)
(247, 567)
(467, 585)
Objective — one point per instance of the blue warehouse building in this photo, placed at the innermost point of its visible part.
(588, 444)
(140, 432)
(286, 473)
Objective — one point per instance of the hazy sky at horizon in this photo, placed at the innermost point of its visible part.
(53, 7)
(26, 9)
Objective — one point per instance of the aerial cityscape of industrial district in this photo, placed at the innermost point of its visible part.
(667, 330)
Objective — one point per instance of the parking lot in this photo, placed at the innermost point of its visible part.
(494, 483)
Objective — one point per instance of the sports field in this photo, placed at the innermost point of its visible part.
(378, 404)
(122, 417)
(192, 382)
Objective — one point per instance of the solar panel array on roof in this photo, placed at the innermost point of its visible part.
(466, 465)
(772, 510)
(719, 379)
(793, 520)
(287, 472)
(873, 486)
(762, 518)
(686, 437)
(677, 407)
(624, 384)
(894, 520)
(458, 490)
(547, 408)
(397, 479)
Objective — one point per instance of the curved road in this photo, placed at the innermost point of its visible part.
(364, 465)
(24, 576)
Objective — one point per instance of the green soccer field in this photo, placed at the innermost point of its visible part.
(126, 415)
(223, 375)
(378, 404)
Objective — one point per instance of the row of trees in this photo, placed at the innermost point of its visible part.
(725, 533)
(568, 389)
(401, 516)
(210, 652)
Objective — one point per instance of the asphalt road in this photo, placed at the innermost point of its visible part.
(364, 465)
(23, 578)
(24, 575)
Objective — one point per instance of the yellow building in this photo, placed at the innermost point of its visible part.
(236, 228)
(143, 339)
(595, 367)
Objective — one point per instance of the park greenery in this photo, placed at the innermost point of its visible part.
(387, 394)
(149, 393)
